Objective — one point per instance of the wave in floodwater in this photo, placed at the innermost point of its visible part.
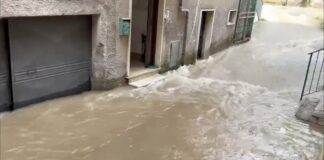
(236, 120)
(179, 118)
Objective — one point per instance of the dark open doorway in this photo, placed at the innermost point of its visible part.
(202, 34)
(152, 31)
(144, 35)
(205, 33)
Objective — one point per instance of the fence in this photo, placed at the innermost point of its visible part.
(314, 79)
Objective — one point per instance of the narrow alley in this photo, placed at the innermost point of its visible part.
(236, 105)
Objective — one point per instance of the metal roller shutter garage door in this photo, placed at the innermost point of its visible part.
(5, 100)
(50, 57)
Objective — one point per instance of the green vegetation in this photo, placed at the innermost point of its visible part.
(280, 2)
(305, 3)
(321, 20)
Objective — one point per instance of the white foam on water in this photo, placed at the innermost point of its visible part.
(238, 120)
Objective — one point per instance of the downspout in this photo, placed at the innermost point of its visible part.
(184, 45)
(130, 12)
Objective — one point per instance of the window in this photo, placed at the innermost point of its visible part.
(231, 17)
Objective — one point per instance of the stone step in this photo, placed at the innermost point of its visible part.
(147, 81)
(139, 75)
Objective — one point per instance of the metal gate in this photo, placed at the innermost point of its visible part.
(245, 21)
(50, 57)
(5, 97)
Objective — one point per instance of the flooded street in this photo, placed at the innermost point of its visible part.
(236, 105)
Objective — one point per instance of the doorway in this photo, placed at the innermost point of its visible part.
(205, 33)
(145, 15)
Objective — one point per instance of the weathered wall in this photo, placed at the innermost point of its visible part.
(175, 29)
(109, 50)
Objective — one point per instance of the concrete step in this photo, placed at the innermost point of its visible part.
(318, 114)
(142, 74)
(147, 81)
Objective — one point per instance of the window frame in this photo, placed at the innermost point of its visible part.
(229, 23)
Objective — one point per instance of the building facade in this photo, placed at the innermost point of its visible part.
(121, 40)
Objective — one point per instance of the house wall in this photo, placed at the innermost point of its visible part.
(111, 51)
(175, 29)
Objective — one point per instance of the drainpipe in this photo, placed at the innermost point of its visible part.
(186, 12)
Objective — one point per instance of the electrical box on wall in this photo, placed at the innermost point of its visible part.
(124, 26)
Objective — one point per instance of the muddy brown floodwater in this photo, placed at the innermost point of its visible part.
(237, 105)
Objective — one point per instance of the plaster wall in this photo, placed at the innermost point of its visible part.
(222, 33)
(174, 30)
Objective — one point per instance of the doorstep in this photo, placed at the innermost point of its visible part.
(147, 81)
(144, 77)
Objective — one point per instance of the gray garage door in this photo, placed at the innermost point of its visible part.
(50, 57)
(5, 100)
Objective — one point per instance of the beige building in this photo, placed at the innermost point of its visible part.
(53, 48)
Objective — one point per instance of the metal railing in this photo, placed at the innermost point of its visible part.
(314, 74)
